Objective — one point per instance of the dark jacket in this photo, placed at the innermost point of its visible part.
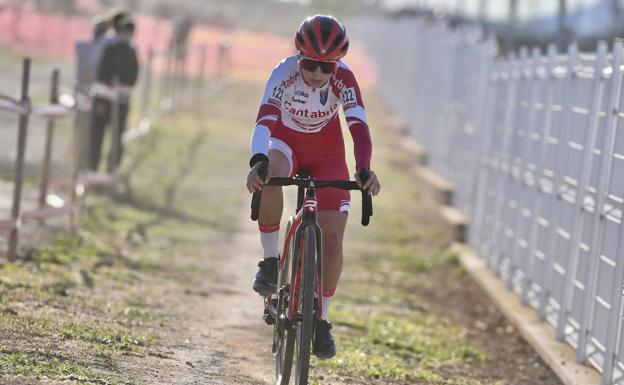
(119, 61)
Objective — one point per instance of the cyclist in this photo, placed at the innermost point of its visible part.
(297, 128)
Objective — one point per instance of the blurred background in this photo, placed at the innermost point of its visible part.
(514, 22)
(259, 33)
(249, 37)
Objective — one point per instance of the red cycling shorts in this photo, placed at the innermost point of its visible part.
(321, 155)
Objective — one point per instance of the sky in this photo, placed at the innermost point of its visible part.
(498, 8)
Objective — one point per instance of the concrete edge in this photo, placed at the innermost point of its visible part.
(418, 151)
(559, 356)
(456, 221)
(440, 188)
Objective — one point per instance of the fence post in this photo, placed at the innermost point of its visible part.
(541, 193)
(552, 267)
(491, 82)
(175, 76)
(519, 164)
(503, 162)
(591, 137)
(484, 95)
(81, 135)
(517, 133)
(202, 69)
(144, 114)
(183, 74)
(45, 174)
(19, 165)
(166, 93)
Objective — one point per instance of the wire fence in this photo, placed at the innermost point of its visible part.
(59, 178)
(534, 145)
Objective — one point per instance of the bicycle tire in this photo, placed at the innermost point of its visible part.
(285, 336)
(305, 328)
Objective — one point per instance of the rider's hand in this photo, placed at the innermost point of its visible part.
(372, 184)
(254, 182)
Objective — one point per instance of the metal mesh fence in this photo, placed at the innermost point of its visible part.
(534, 144)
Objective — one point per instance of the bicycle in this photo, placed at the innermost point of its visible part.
(294, 307)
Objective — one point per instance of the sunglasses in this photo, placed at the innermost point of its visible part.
(327, 67)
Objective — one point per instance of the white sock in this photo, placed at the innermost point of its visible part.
(270, 241)
(326, 303)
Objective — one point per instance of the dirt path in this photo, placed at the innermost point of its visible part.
(220, 337)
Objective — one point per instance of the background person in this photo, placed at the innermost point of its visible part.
(118, 69)
(88, 54)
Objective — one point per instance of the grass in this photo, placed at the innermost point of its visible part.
(111, 336)
(40, 363)
(95, 295)
(409, 347)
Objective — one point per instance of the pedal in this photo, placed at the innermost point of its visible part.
(267, 318)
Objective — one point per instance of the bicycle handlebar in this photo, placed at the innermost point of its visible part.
(367, 201)
(341, 184)
(255, 199)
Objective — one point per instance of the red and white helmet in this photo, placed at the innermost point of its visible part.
(322, 37)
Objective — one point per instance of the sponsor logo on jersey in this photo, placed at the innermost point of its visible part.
(323, 95)
(338, 83)
(289, 82)
(310, 114)
(300, 97)
(301, 93)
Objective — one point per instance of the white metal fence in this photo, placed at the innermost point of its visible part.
(534, 144)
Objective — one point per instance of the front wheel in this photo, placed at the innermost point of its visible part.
(283, 335)
(306, 301)
(284, 355)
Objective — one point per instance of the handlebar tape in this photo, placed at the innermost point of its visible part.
(257, 196)
(367, 201)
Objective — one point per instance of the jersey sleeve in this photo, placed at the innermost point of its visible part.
(353, 107)
(269, 112)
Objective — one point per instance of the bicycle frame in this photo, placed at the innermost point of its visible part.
(306, 216)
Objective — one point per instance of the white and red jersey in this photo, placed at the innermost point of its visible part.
(289, 103)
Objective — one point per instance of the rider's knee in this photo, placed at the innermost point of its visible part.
(279, 164)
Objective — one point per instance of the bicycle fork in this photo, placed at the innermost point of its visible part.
(308, 219)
